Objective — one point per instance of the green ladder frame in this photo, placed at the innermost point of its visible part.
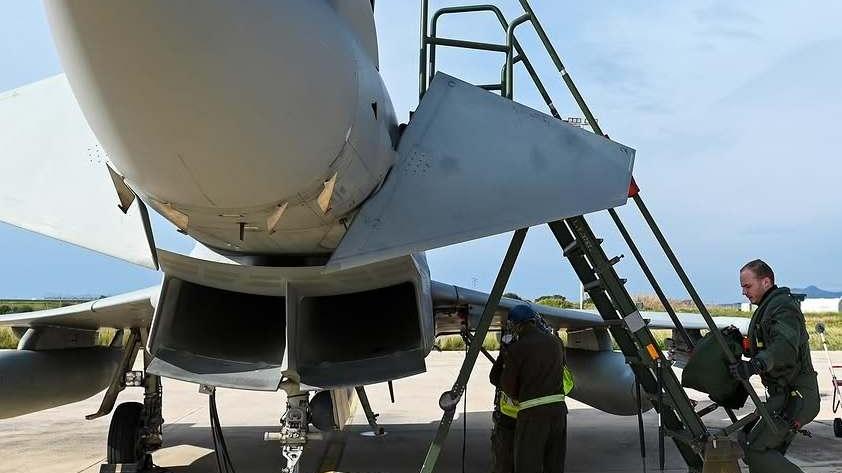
(590, 263)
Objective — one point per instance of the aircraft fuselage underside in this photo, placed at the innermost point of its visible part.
(248, 327)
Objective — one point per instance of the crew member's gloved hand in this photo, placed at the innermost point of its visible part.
(730, 330)
(745, 369)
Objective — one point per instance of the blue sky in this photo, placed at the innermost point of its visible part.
(732, 108)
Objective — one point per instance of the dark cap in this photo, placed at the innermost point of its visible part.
(522, 313)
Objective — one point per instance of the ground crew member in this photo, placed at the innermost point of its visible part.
(779, 351)
(533, 376)
(504, 416)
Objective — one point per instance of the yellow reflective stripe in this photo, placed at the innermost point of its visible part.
(567, 384)
(507, 406)
(540, 401)
(510, 407)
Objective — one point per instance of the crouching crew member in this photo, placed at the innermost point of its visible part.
(779, 351)
(504, 417)
(534, 380)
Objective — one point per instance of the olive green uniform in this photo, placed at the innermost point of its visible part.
(778, 337)
(533, 369)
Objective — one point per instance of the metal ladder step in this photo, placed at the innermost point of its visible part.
(633, 337)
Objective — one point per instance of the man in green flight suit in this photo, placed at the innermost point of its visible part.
(779, 351)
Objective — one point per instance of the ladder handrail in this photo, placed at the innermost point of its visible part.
(456, 10)
(717, 334)
(638, 342)
(510, 39)
(424, 61)
(548, 45)
(507, 91)
(761, 407)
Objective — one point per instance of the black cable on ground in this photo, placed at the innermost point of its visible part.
(222, 441)
(640, 430)
(213, 434)
(223, 460)
(464, 419)
(222, 465)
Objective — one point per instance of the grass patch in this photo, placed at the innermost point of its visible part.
(833, 325)
(18, 306)
(8, 340)
(455, 342)
(831, 320)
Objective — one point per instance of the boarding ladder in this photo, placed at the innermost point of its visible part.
(679, 419)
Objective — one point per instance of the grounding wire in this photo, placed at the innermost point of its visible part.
(219, 466)
(465, 418)
(223, 459)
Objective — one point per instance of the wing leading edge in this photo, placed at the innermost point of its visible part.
(129, 310)
(473, 164)
(446, 295)
(56, 179)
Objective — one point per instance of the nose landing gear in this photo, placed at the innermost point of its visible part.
(136, 431)
(294, 431)
(136, 428)
(294, 426)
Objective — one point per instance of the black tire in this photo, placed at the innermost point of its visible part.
(837, 427)
(321, 412)
(124, 434)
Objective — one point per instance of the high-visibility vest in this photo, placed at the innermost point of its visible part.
(567, 381)
(510, 407)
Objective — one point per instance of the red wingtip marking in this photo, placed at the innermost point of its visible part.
(633, 189)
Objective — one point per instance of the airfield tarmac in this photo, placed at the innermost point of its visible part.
(60, 440)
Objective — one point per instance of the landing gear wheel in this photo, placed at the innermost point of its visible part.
(124, 445)
(837, 427)
(321, 412)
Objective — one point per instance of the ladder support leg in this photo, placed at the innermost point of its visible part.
(450, 399)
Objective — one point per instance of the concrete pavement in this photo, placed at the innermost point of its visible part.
(60, 440)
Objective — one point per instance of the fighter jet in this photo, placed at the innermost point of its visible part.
(264, 131)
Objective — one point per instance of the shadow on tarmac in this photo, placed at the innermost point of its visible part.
(600, 443)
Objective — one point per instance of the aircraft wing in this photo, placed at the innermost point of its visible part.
(473, 164)
(446, 296)
(132, 309)
(693, 321)
(55, 178)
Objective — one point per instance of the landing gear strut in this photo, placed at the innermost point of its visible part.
(294, 431)
(294, 426)
(136, 428)
(370, 416)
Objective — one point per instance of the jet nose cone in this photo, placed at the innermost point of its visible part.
(226, 105)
